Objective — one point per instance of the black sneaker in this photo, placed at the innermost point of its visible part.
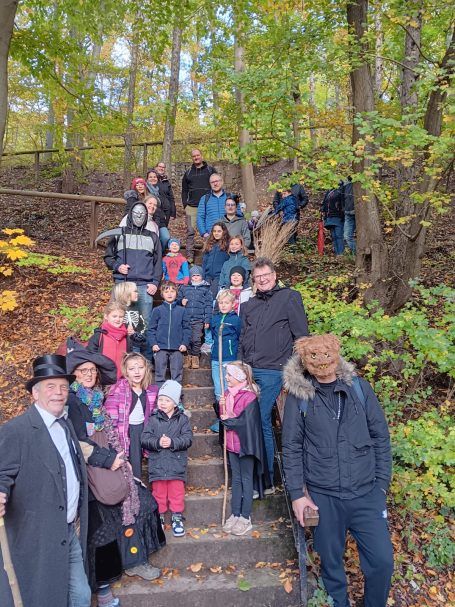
(178, 528)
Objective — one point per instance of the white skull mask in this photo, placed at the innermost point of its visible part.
(138, 215)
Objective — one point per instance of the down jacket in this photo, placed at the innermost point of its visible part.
(200, 301)
(169, 327)
(230, 335)
(241, 401)
(342, 458)
(168, 464)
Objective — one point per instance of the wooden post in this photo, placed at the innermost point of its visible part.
(144, 160)
(37, 167)
(93, 224)
(8, 565)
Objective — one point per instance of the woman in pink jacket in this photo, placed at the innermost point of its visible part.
(130, 403)
(241, 394)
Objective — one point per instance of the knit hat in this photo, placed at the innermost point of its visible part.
(171, 240)
(254, 213)
(238, 270)
(196, 271)
(172, 389)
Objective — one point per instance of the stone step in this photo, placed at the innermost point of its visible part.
(205, 444)
(198, 395)
(207, 472)
(201, 417)
(271, 542)
(208, 589)
(206, 506)
(197, 377)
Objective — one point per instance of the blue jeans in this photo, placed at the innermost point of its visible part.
(270, 382)
(79, 593)
(216, 379)
(144, 304)
(208, 337)
(164, 237)
(336, 230)
(349, 229)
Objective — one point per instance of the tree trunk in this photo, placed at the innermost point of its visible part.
(312, 99)
(246, 168)
(379, 61)
(128, 154)
(8, 10)
(169, 127)
(371, 260)
(295, 122)
(49, 130)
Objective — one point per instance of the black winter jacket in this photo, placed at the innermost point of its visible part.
(167, 197)
(342, 458)
(140, 249)
(196, 183)
(169, 326)
(271, 322)
(167, 464)
(200, 301)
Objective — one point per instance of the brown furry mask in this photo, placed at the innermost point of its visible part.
(320, 354)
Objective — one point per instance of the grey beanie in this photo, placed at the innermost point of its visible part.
(196, 270)
(172, 389)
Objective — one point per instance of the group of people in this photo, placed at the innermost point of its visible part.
(99, 409)
(338, 213)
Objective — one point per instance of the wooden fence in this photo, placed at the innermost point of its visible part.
(94, 201)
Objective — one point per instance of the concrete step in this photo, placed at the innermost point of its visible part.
(198, 395)
(206, 472)
(206, 507)
(208, 589)
(205, 444)
(201, 417)
(197, 377)
(271, 542)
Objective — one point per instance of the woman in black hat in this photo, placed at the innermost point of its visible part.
(112, 529)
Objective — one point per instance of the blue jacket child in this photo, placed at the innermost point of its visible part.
(199, 298)
(230, 344)
(288, 206)
(169, 326)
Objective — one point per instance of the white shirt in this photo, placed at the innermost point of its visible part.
(137, 414)
(58, 437)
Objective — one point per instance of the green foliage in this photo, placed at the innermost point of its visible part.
(397, 354)
(439, 547)
(320, 597)
(79, 320)
(52, 263)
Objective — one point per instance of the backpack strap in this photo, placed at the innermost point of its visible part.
(303, 402)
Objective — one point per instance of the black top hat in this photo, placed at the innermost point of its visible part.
(47, 367)
(78, 355)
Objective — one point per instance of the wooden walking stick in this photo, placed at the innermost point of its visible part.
(220, 360)
(8, 565)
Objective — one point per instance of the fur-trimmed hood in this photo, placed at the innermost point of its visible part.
(296, 383)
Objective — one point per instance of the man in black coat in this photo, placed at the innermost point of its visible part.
(195, 184)
(43, 494)
(336, 445)
(271, 321)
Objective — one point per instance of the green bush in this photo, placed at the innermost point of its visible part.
(79, 320)
(52, 263)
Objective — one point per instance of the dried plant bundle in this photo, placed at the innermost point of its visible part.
(271, 238)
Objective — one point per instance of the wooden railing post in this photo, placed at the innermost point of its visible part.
(93, 224)
(37, 167)
(144, 160)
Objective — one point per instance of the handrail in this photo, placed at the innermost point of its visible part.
(94, 201)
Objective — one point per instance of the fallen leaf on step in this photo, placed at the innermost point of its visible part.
(158, 582)
(288, 585)
(216, 569)
(217, 535)
(255, 534)
(260, 565)
(243, 585)
(195, 567)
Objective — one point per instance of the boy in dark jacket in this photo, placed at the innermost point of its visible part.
(168, 437)
(336, 444)
(169, 334)
(198, 301)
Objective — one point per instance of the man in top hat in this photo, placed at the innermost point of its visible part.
(43, 495)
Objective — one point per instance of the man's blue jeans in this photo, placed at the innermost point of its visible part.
(270, 382)
(164, 238)
(349, 229)
(79, 593)
(219, 391)
(335, 225)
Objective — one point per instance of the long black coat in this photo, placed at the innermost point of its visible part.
(36, 511)
(168, 464)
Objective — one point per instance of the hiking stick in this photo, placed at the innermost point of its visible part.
(8, 565)
(220, 360)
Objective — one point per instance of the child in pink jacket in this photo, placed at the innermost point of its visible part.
(130, 403)
(239, 413)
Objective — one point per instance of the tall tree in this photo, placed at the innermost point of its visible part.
(171, 113)
(8, 10)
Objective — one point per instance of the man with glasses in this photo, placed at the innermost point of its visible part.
(236, 226)
(195, 184)
(211, 206)
(271, 322)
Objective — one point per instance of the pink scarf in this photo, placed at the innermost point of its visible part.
(230, 395)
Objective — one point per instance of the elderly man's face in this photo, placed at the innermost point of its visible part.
(264, 278)
(51, 394)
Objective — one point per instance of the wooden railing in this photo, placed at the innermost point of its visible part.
(94, 201)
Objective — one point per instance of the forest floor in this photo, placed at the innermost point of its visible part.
(40, 323)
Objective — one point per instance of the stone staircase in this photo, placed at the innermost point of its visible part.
(207, 566)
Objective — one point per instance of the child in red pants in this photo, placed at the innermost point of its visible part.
(168, 437)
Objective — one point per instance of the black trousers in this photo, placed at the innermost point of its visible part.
(197, 331)
(242, 469)
(175, 358)
(366, 518)
(135, 455)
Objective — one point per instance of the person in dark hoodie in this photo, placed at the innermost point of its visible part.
(135, 255)
(336, 445)
(271, 321)
(165, 186)
(195, 184)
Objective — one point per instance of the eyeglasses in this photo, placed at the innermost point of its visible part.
(215, 181)
(261, 277)
(89, 371)
(231, 204)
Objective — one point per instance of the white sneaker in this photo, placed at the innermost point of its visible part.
(227, 528)
(255, 494)
(270, 491)
(241, 526)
